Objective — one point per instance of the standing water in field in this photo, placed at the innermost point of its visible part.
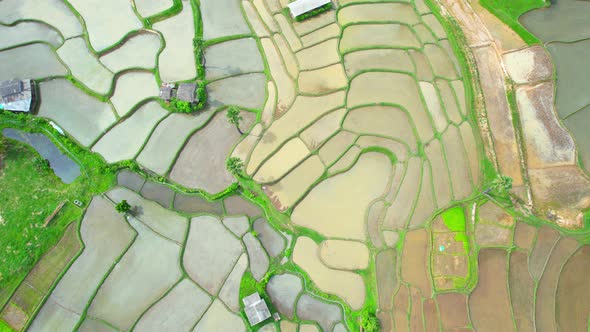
(570, 49)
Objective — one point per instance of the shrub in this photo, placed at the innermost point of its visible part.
(123, 207)
(369, 321)
(41, 164)
(182, 106)
(235, 165)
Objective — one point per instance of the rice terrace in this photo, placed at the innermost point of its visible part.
(294, 165)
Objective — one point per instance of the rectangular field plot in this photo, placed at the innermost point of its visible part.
(85, 66)
(138, 51)
(82, 116)
(32, 61)
(107, 21)
(177, 60)
(54, 12)
(124, 140)
(222, 18)
(147, 270)
(106, 236)
(133, 88)
(26, 32)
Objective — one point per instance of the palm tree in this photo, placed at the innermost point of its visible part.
(234, 117)
(235, 166)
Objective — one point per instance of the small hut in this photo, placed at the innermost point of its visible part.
(167, 91)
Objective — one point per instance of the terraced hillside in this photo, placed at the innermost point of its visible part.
(396, 157)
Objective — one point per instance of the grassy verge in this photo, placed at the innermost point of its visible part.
(30, 194)
(508, 11)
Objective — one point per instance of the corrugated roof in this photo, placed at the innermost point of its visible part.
(186, 92)
(12, 87)
(301, 7)
(166, 93)
(256, 309)
(16, 95)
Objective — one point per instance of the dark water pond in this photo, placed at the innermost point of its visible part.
(62, 165)
(564, 20)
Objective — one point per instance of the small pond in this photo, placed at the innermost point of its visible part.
(63, 166)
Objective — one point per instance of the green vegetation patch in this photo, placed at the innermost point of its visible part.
(314, 12)
(454, 219)
(4, 327)
(510, 10)
(23, 238)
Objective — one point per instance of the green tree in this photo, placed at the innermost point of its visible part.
(234, 117)
(235, 166)
(369, 321)
(123, 207)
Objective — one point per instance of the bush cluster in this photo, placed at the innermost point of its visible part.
(41, 164)
(369, 322)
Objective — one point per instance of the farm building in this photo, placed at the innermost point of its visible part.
(187, 92)
(17, 95)
(184, 92)
(167, 91)
(256, 309)
(301, 7)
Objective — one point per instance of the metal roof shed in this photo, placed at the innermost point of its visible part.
(256, 309)
(17, 95)
(301, 7)
(186, 92)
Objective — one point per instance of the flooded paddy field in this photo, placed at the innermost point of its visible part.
(570, 51)
(361, 185)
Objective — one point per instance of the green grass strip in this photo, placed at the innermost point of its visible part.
(508, 11)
